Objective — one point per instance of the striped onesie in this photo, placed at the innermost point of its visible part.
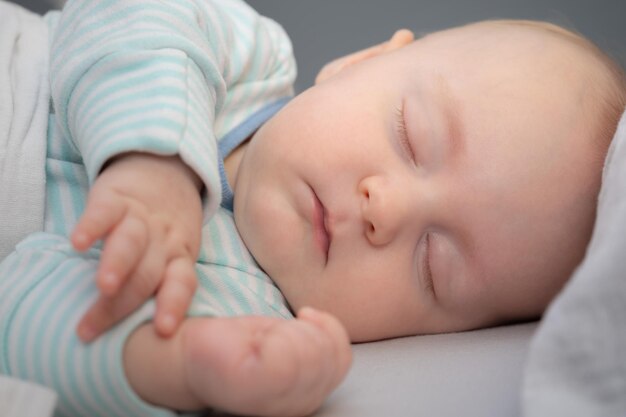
(192, 78)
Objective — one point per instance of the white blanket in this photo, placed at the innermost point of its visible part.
(577, 359)
(24, 103)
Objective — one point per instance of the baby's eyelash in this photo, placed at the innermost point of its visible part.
(426, 271)
(403, 134)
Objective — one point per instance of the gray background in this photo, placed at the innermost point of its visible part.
(325, 29)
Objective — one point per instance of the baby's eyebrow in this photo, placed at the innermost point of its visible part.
(452, 116)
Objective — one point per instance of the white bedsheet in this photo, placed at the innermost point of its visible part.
(24, 103)
(577, 359)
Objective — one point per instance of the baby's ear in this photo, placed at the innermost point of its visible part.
(399, 39)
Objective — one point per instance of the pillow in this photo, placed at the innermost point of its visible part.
(577, 361)
(473, 374)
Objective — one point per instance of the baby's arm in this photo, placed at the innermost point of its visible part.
(148, 210)
(248, 365)
(141, 75)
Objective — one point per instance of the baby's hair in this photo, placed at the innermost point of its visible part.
(611, 98)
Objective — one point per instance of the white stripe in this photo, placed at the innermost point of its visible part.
(138, 30)
(16, 280)
(103, 109)
(47, 322)
(82, 276)
(89, 20)
(118, 405)
(85, 94)
(106, 136)
(72, 10)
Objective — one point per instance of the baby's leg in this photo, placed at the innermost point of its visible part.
(250, 365)
(44, 288)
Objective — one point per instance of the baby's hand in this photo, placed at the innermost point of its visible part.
(148, 210)
(266, 366)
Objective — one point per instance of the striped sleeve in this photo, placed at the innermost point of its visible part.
(260, 68)
(43, 292)
(141, 75)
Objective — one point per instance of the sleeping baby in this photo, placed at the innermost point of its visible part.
(434, 185)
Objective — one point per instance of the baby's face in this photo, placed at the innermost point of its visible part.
(443, 186)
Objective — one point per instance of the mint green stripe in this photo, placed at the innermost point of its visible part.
(44, 274)
(89, 355)
(149, 122)
(73, 183)
(103, 151)
(72, 13)
(163, 33)
(234, 280)
(206, 281)
(161, 93)
(118, 81)
(74, 25)
(234, 254)
(30, 285)
(53, 198)
(80, 377)
(163, 41)
(149, 109)
(10, 268)
(103, 366)
(50, 348)
(130, 71)
(100, 17)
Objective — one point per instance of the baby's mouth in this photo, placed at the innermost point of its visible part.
(321, 233)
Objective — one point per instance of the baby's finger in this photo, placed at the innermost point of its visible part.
(104, 313)
(99, 218)
(107, 311)
(175, 295)
(123, 250)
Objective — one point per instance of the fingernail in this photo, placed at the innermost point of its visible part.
(307, 311)
(86, 333)
(167, 322)
(110, 280)
(79, 239)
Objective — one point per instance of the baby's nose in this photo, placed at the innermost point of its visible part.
(381, 209)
